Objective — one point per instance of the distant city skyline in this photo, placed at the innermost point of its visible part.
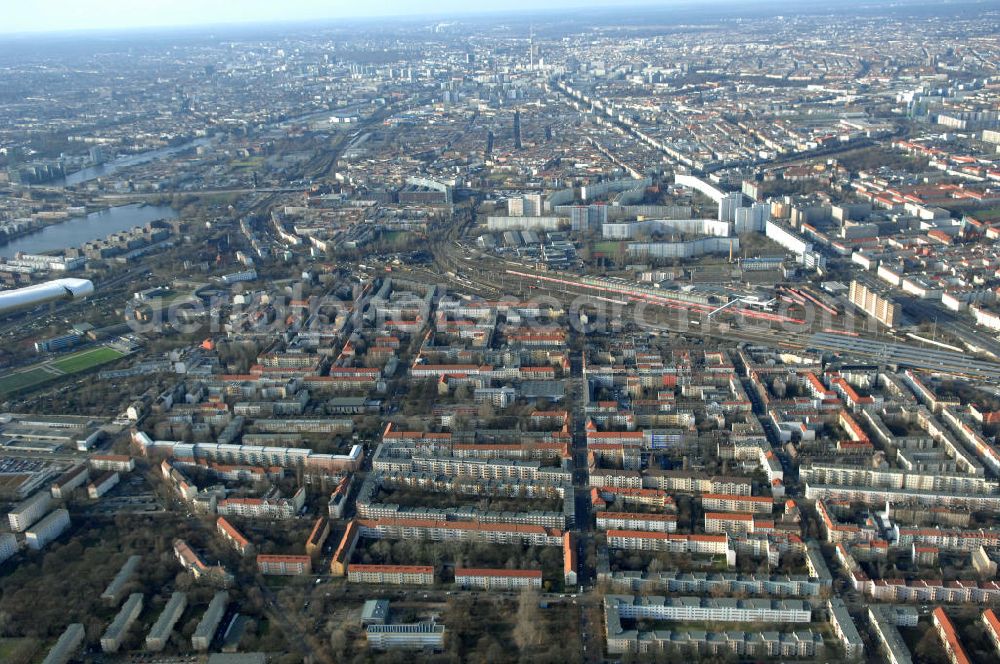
(67, 15)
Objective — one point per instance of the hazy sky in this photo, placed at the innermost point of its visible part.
(19, 16)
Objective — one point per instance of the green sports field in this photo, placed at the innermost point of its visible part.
(85, 360)
(606, 247)
(48, 371)
(24, 379)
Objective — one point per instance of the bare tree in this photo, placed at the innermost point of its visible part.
(527, 629)
(338, 642)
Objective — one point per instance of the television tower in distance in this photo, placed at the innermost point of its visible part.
(531, 47)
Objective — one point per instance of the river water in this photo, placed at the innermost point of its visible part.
(95, 226)
(104, 170)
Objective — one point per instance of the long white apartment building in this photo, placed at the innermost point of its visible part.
(720, 502)
(70, 480)
(703, 583)
(695, 482)
(118, 629)
(844, 628)
(399, 459)
(495, 533)
(961, 540)
(883, 621)
(663, 523)
(637, 540)
(113, 593)
(879, 495)
(724, 609)
(28, 511)
(392, 574)
(67, 645)
(498, 579)
(889, 478)
(205, 631)
(47, 529)
(253, 455)
(629, 230)
(8, 546)
(160, 632)
(417, 636)
(270, 507)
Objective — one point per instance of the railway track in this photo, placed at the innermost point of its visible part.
(694, 321)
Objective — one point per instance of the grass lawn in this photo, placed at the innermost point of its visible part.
(606, 247)
(986, 215)
(23, 380)
(217, 198)
(393, 236)
(87, 359)
(253, 162)
(17, 650)
(166, 301)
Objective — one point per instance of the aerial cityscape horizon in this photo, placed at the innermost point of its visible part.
(565, 331)
(63, 15)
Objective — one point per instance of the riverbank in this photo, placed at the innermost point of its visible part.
(77, 231)
(111, 167)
